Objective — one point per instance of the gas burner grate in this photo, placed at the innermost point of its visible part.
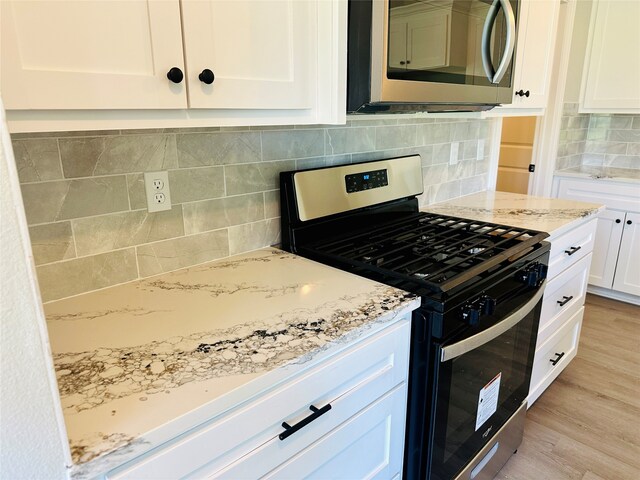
(436, 251)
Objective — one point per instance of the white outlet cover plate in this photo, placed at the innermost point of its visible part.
(151, 190)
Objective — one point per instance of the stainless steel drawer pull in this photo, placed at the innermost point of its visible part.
(291, 429)
(565, 300)
(554, 361)
(572, 250)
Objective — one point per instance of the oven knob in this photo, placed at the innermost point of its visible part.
(487, 305)
(542, 271)
(470, 315)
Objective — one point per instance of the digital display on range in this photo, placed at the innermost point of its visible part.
(358, 182)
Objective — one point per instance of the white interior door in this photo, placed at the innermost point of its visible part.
(516, 148)
(605, 248)
(92, 54)
(627, 277)
(262, 53)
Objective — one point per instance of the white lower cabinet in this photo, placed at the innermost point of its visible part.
(562, 305)
(358, 432)
(616, 251)
(555, 354)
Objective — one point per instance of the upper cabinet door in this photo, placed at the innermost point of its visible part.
(611, 76)
(263, 54)
(92, 54)
(534, 55)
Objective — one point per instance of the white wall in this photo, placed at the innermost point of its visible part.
(31, 433)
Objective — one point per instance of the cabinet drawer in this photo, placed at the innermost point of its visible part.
(567, 249)
(368, 444)
(364, 372)
(618, 195)
(560, 348)
(563, 296)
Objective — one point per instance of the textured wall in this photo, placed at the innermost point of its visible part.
(85, 203)
(610, 140)
(30, 438)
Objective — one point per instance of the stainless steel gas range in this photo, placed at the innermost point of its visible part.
(481, 285)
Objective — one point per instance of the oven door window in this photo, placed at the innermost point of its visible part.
(478, 391)
(443, 42)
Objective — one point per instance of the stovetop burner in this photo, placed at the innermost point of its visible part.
(432, 250)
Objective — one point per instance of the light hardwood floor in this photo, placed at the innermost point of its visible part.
(586, 425)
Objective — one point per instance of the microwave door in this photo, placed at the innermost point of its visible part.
(430, 52)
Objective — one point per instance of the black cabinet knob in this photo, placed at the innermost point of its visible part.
(526, 94)
(206, 76)
(522, 93)
(618, 220)
(402, 62)
(175, 75)
(629, 222)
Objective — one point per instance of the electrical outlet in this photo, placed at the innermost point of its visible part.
(453, 158)
(156, 185)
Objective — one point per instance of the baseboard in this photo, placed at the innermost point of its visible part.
(613, 294)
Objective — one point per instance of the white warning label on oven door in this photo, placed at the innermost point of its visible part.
(488, 400)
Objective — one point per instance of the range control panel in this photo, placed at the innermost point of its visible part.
(358, 182)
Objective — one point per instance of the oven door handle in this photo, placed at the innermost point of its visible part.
(460, 348)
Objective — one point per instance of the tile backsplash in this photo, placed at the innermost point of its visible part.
(85, 203)
(611, 140)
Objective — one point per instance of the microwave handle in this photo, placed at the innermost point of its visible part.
(495, 76)
(463, 346)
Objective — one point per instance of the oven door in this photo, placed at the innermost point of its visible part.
(481, 380)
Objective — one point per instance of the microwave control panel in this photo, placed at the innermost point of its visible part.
(358, 182)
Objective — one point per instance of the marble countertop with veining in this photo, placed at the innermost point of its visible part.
(139, 363)
(552, 215)
(601, 173)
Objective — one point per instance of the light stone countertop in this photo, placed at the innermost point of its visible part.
(601, 173)
(140, 363)
(552, 215)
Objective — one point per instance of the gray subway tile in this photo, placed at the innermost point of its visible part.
(435, 174)
(193, 184)
(629, 136)
(251, 236)
(636, 122)
(444, 191)
(84, 157)
(441, 153)
(71, 277)
(137, 193)
(434, 133)
(606, 147)
(622, 161)
(396, 137)
(222, 148)
(223, 212)
(349, 140)
(66, 199)
(255, 177)
(52, 242)
(168, 255)
(37, 160)
(288, 144)
(477, 183)
(369, 121)
(633, 149)
(272, 204)
(111, 232)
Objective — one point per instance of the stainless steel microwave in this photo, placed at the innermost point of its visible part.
(430, 55)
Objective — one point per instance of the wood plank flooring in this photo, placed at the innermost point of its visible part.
(586, 425)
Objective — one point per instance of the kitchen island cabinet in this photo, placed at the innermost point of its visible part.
(194, 373)
(111, 65)
(572, 228)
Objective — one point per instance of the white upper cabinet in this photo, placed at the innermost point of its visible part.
(259, 52)
(236, 62)
(611, 75)
(91, 54)
(534, 56)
